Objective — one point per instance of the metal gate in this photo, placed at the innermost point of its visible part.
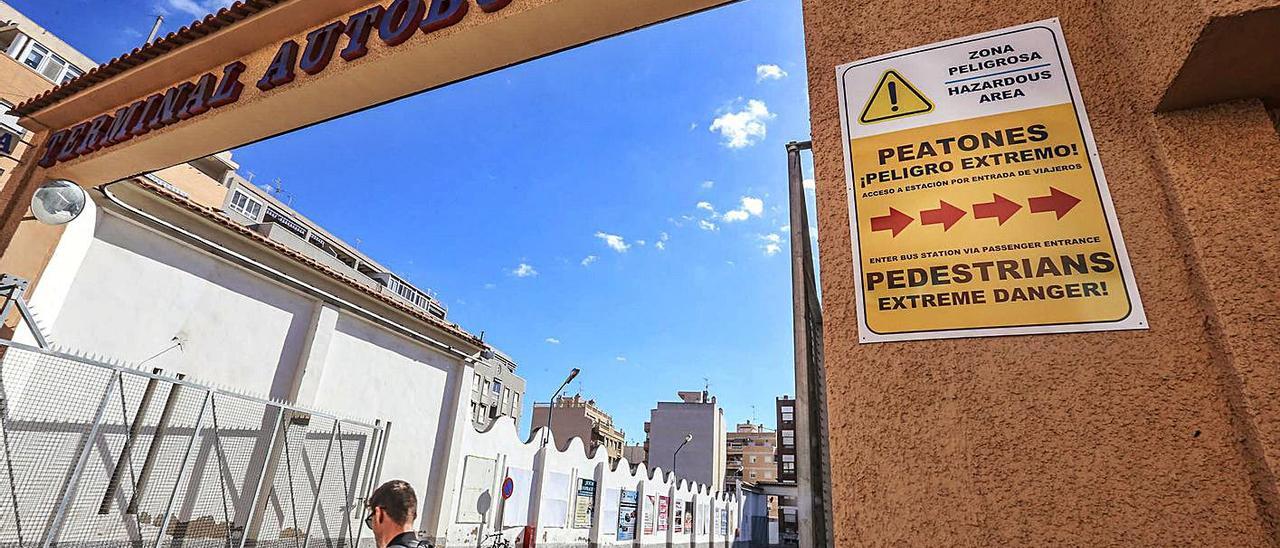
(104, 455)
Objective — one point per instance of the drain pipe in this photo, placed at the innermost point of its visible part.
(239, 259)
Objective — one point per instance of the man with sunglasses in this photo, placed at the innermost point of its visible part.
(393, 508)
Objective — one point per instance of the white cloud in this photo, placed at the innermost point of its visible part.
(621, 358)
(743, 128)
(772, 244)
(769, 72)
(751, 207)
(660, 246)
(663, 236)
(640, 242)
(589, 260)
(195, 8)
(525, 271)
(490, 286)
(708, 184)
(707, 225)
(552, 340)
(707, 206)
(614, 241)
(809, 184)
(784, 228)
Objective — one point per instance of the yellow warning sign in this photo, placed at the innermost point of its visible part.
(987, 212)
(894, 97)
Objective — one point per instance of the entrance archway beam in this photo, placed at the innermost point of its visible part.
(446, 41)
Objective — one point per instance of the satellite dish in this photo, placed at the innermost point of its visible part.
(58, 202)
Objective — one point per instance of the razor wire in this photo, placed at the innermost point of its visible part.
(102, 455)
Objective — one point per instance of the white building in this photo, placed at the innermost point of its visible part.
(703, 458)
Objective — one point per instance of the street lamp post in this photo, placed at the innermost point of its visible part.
(687, 438)
(552, 406)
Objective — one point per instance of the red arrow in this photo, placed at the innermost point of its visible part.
(1001, 208)
(1057, 201)
(946, 215)
(895, 221)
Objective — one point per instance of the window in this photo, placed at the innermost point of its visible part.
(788, 467)
(71, 74)
(515, 404)
(753, 460)
(36, 55)
(53, 68)
(48, 64)
(497, 387)
(476, 386)
(788, 458)
(788, 417)
(243, 204)
(506, 398)
(753, 475)
(9, 121)
(788, 438)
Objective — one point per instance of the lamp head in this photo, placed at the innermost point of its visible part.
(573, 373)
(688, 438)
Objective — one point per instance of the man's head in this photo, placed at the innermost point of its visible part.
(393, 507)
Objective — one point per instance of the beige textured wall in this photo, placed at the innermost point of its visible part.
(1146, 438)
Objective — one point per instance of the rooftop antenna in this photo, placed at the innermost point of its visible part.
(155, 29)
(277, 188)
(250, 176)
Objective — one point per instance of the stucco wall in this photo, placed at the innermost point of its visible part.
(1127, 438)
(137, 290)
(703, 458)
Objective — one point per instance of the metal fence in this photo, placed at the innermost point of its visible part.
(103, 455)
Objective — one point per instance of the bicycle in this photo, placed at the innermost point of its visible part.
(498, 541)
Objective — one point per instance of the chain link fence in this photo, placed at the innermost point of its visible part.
(105, 456)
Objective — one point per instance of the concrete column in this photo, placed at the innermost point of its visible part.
(597, 518)
(1150, 438)
(315, 350)
(443, 504)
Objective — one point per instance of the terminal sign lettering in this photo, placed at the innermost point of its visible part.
(393, 24)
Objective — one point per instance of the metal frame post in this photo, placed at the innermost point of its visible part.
(68, 490)
(149, 462)
(366, 477)
(262, 475)
(126, 453)
(324, 467)
(182, 468)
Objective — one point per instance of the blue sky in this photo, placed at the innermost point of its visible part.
(619, 207)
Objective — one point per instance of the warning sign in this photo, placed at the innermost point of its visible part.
(894, 97)
(978, 207)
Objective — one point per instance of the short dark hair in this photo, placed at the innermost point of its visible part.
(397, 499)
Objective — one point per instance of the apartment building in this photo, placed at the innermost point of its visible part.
(750, 453)
(786, 406)
(496, 390)
(697, 418)
(33, 62)
(579, 417)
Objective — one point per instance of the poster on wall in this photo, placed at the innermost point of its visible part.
(515, 509)
(722, 518)
(977, 202)
(555, 500)
(627, 514)
(688, 516)
(609, 511)
(678, 520)
(650, 508)
(584, 504)
(477, 489)
(664, 506)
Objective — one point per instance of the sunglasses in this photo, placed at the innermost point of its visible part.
(368, 520)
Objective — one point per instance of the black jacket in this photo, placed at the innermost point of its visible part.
(408, 540)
